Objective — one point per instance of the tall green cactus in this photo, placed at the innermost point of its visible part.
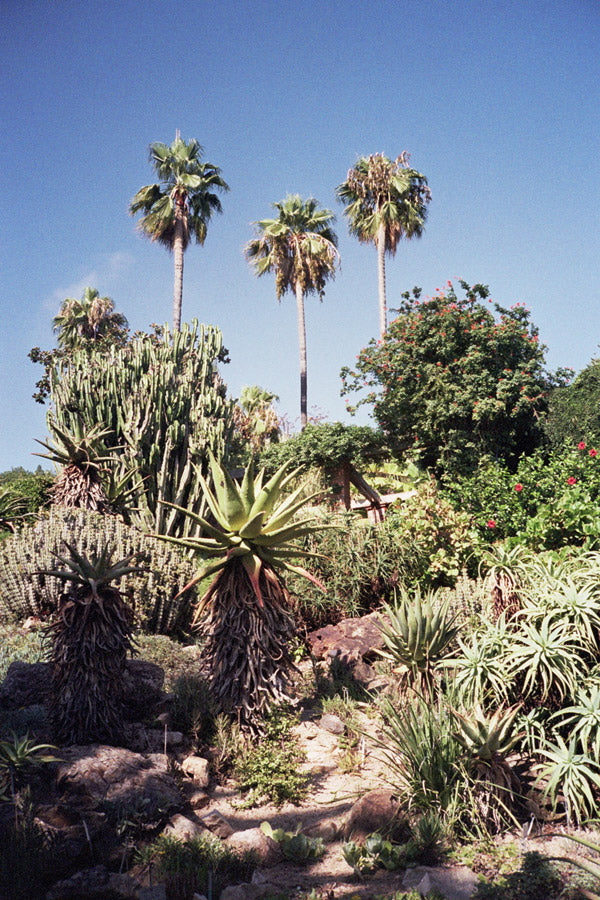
(165, 406)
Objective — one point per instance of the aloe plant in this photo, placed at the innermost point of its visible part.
(90, 639)
(572, 778)
(245, 608)
(418, 636)
(81, 454)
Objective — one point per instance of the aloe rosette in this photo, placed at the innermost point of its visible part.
(246, 607)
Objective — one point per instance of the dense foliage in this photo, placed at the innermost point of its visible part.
(451, 383)
(574, 409)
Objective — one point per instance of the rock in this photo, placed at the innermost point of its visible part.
(197, 769)
(198, 799)
(376, 810)
(350, 640)
(328, 831)
(95, 884)
(453, 882)
(307, 731)
(184, 828)
(251, 891)
(97, 773)
(332, 724)
(26, 684)
(268, 852)
(217, 823)
(156, 892)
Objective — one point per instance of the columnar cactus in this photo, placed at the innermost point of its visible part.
(164, 406)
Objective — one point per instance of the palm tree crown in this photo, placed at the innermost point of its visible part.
(385, 200)
(300, 247)
(91, 320)
(180, 206)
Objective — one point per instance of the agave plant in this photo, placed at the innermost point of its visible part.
(245, 608)
(80, 455)
(90, 640)
(504, 572)
(547, 658)
(583, 717)
(418, 636)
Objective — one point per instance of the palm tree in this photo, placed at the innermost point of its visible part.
(179, 207)
(384, 201)
(301, 248)
(91, 320)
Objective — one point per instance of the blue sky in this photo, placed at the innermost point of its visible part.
(497, 102)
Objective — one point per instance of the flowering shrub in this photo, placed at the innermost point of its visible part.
(453, 382)
(550, 501)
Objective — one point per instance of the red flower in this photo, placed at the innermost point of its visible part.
(571, 480)
(581, 445)
(593, 452)
(518, 488)
(491, 523)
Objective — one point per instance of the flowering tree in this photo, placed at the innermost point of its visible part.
(452, 382)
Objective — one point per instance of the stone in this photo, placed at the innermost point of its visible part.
(197, 769)
(99, 773)
(142, 685)
(376, 810)
(249, 891)
(332, 724)
(156, 892)
(95, 884)
(217, 824)
(453, 882)
(328, 831)
(184, 828)
(267, 851)
(26, 684)
(198, 799)
(350, 640)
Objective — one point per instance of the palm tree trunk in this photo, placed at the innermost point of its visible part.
(178, 258)
(381, 280)
(302, 343)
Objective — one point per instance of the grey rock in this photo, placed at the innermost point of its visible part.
(332, 724)
(197, 769)
(328, 831)
(267, 851)
(156, 892)
(198, 798)
(184, 828)
(376, 810)
(98, 773)
(217, 824)
(250, 891)
(95, 884)
(453, 882)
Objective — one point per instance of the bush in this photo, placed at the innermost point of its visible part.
(269, 771)
(25, 592)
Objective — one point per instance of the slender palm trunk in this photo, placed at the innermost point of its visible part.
(178, 257)
(302, 344)
(381, 280)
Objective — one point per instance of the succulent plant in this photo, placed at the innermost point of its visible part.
(90, 640)
(246, 605)
(80, 454)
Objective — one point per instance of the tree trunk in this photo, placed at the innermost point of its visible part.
(381, 280)
(178, 257)
(302, 344)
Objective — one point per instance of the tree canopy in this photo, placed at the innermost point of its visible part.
(452, 383)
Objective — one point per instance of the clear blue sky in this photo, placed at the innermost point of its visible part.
(496, 100)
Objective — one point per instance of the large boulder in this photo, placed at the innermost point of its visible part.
(98, 774)
(351, 640)
(266, 850)
(377, 810)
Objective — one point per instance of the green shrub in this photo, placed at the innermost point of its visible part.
(268, 771)
(25, 592)
(193, 711)
(203, 865)
(537, 879)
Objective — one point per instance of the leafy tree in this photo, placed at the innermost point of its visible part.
(452, 383)
(327, 446)
(91, 320)
(384, 201)
(180, 206)
(574, 409)
(300, 247)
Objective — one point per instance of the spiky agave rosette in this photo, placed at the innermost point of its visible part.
(246, 607)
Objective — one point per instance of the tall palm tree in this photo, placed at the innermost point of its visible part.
(385, 200)
(179, 207)
(301, 248)
(91, 320)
